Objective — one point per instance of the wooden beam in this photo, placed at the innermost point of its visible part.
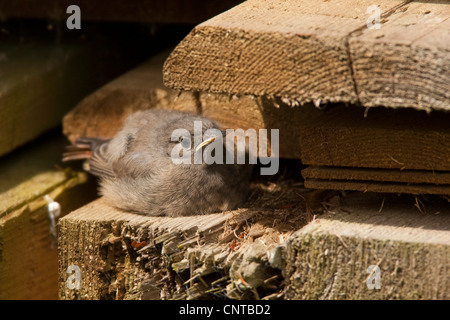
(378, 180)
(39, 83)
(321, 52)
(418, 32)
(28, 251)
(171, 11)
(122, 255)
(382, 150)
(378, 175)
(380, 138)
(373, 186)
(330, 258)
(108, 264)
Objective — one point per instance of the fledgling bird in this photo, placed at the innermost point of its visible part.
(137, 173)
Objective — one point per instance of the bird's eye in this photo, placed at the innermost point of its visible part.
(185, 142)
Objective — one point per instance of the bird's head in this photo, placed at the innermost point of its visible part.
(193, 140)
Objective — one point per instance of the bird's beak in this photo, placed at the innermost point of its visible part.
(208, 141)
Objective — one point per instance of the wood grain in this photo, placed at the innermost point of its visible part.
(129, 256)
(329, 258)
(405, 63)
(234, 254)
(402, 139)
(380, 175)
(94, 237)
(321, 52)
(375, 186)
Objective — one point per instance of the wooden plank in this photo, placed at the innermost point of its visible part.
(419, 33)
(122, 255)
(268, 48)
(39, 83)
(321, 52)
(373, 186)
(171, 11)
(381, 138)
(377, 180)
(104, 228)
(380, 175)
(383, 150)
(28, 254)
(103, 112)
(330, 257)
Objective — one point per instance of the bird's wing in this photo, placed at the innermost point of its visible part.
(99, 163)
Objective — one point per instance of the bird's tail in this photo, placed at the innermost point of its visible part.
(82, 149)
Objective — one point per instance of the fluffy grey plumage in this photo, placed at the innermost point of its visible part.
(137, 173)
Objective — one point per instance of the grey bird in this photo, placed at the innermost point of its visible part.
(137, 172)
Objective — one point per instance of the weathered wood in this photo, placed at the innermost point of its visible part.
(380, 175)
(383, 150)
(330, 257)
(377, 180)
(28, 254)
(380, 138)
(96, 239)
(400, 151)
(322, 52)
(128, 256)
(405, 63)
(39, 83)
(103, 112)
(145, 11)
(374, 186)
(253, 253)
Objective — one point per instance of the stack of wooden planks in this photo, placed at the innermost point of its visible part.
(364, 109)
(324, 52)
(39, 82)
